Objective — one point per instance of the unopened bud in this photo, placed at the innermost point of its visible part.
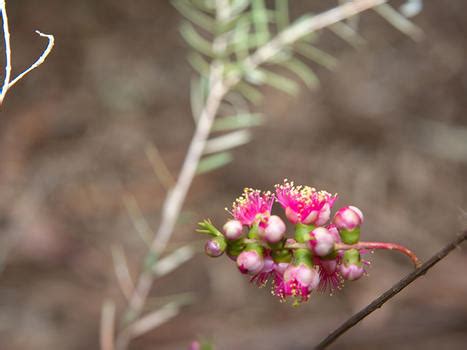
(275, 229)
(303, 275)
(215, 247)
(323, 215)
(348, 218)
(351, 272)
(250, 262)
(233, 229)
(323, 242)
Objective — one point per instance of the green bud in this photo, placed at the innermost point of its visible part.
(350, 236)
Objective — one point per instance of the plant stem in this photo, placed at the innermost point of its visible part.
(391, 292)
(381, 245)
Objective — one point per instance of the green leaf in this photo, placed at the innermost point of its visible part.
(198, 63)
(195, 40)
(320, 57)
(213, 162)
(194, 15)
(277, 81)
(238, 6)
(243, 120)
(348, 34)
(197, 97)
(241, 38)
(399, 22)
(251, 93)
(302, 71)
(259, 16)
(207, 227)
(227, 141)
(282, 14)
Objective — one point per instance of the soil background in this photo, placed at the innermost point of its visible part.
(387, 130)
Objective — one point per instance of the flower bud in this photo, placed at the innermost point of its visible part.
(352, 268)
(348, 218)
(351, 272)
(323, 242)
(250, 262)
(233, 229)
(275, 229)
(215, 247)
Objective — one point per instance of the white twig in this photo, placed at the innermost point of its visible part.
(169, 263)
(107, 326)
(7, 82)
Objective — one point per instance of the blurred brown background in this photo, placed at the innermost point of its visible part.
(387, 131)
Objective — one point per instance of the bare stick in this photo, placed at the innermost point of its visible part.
(394, 290)
(7, 84)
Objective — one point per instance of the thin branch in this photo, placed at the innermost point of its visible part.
(381, 245)
(107, 326)
(393, 291)
(7, 84)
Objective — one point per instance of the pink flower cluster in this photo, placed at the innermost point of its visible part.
(310, 260)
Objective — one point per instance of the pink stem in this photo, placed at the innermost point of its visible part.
(381, 245)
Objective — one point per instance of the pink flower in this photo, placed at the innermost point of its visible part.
(262, 277)
(252, 206)
(300, 281)
(305, 204)
(330, 277)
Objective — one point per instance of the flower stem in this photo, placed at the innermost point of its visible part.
(381, 245)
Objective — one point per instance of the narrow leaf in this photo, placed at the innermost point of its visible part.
(227, 142)
(213, 162)
(260, 20)
(194, 15)
(244, 120)
(251, 93)
(302, 71)
(348, 34)
(198, 63)
(172, 261)
(282, 14)
(277, 81)
(195, 40)
(399, 22)
(319, 56)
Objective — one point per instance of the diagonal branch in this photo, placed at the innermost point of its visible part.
(393, 291)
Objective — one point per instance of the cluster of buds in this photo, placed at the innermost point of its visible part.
(320, 256)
